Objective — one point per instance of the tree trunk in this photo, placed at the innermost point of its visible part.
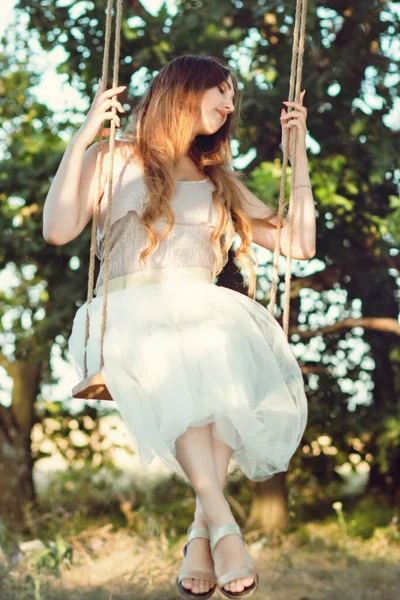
(16, 421)
(269, 507)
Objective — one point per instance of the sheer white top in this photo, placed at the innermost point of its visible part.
(188, 244)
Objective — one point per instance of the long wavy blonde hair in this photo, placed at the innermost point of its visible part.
(158, 135)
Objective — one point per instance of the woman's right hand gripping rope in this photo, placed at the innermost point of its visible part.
(100, 111)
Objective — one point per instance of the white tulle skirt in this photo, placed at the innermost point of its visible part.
(183, 352)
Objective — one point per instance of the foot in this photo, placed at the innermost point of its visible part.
(198, 556)
(230, 553)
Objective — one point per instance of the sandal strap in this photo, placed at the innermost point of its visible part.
(197, 532)
(204, 574)
(222, 531)
(236, 574)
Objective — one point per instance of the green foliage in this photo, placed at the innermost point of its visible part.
(265, 180)
(43, 563)
(371, 518)
(393, 224)
(388, 441)
(371, 514)
(50, 561)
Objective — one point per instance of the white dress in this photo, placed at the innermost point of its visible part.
(186, 352)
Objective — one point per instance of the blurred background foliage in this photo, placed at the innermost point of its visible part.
(345, 301)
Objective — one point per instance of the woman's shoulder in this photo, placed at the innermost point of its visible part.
(123, 151)
(125, 162)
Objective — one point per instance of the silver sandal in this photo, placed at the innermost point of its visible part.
(205, 574)
(246, 571)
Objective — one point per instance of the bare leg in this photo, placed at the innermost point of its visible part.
(195, 453)
(198, 552)
(222, 456)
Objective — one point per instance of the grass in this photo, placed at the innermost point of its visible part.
(107, 564)
(96, 543)
(134, 550)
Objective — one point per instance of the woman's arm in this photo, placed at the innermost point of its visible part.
(304, 227)
(303, 240)
(69, 203)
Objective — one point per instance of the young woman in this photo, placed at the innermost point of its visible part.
(199, 373)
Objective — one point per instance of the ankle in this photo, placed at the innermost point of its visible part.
(199, 520)
(218, 513)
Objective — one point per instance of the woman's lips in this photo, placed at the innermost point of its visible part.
(221, 114)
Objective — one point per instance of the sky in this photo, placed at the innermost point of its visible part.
(59, 96)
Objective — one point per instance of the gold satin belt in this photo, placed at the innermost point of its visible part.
(157, 276)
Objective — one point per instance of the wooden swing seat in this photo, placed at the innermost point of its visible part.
(92, 388)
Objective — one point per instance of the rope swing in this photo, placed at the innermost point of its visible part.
(294, 92)
(93, 387)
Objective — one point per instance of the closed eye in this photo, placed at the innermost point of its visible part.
(222, 90)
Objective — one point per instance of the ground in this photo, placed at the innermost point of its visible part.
(110, 564)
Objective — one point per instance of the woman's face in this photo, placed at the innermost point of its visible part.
(216, 103)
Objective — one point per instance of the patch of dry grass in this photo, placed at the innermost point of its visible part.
(117, 565)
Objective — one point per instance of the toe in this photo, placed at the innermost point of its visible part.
(201, 586)
(197, 586)
(239, 585)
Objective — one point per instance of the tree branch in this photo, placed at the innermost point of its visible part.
(377, 323)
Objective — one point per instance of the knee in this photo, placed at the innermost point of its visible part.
(205, 484)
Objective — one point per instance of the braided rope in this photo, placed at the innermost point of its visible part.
(117, 52)
(294, 92)
(99, 163)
